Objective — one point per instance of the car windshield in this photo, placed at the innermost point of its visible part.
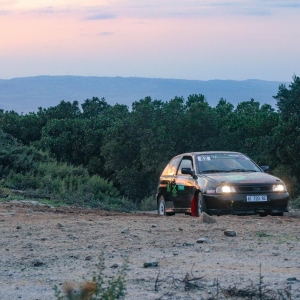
(225, 162)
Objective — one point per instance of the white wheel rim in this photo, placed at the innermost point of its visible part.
(199, 206)
(161, 208)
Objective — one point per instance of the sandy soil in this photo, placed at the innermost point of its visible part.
(42, 247)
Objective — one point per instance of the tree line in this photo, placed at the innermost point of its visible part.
(129, 147)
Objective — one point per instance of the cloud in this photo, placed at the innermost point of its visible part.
(178, 9)
(4, 12)
(105, 33)
(289, 5)
(156, 9)
(100, 34)
(102, 16)
(47, 10)
(255, 12)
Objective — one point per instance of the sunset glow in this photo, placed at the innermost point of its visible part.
(168, 39)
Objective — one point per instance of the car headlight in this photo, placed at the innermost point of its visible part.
(279, 188)
(225, 189)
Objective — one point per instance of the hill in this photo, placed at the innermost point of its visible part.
(28, 93)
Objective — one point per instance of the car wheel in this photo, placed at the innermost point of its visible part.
(201, 205)
(279, 214)
(264, 214)
(161, 206)
(170, 214)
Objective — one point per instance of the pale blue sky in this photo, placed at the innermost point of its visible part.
(185, 39)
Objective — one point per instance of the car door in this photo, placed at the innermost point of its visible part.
(167, 182)
(185, 184)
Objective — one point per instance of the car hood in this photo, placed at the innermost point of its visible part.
(243, 178)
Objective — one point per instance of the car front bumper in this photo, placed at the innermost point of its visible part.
(237, 204)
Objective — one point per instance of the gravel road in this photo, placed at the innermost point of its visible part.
(42, 247)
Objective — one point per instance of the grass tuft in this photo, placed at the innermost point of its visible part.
(100, 287)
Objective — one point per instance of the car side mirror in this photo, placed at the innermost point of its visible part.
(265, 168)
(189, 171)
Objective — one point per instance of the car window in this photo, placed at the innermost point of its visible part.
(186, 162)
(171, 168)
(226, 162)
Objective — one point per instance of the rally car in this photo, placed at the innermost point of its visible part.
(219, 182)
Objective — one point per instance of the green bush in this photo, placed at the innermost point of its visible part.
(27, 169)
(292, 184)
(148, 203)
(296, 202)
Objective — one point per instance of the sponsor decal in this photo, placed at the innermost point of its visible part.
(168, 187)
(180, 187)
(174, 191)
(171, 188)
(236, 177)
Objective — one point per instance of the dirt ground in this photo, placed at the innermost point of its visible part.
(42, 247)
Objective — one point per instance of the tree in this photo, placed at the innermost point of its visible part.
(287, 133)
(199, 124)
(288, 100)
(64, 110)
(93, 107)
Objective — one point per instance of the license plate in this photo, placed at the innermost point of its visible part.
(257, 198)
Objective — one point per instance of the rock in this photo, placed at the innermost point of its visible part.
(205, 218)
(292, 279)
(180, 228)
(19, 227)
(37, 262)
(154, 225)
(188, 244)
(59, 225)
(125, 230)
(88, 257)
(114, 266)
(202, 241)
(229, 232)
(71, 236)
(151, 264)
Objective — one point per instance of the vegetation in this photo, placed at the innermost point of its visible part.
(24, 168)
(100, 287)
(102, 155)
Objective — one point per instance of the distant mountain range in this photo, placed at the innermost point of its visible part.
(28, 93)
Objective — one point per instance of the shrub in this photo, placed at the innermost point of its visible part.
(98, 288)
(292, 184)
(148, 203)
(27, 169)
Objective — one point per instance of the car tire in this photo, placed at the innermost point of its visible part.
(279, 214)
(170, 214)
(201, 205)
(161, 206)
(262, 215)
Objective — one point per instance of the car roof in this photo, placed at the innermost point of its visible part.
(207, 152)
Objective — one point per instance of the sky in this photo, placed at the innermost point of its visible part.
(183, 39)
